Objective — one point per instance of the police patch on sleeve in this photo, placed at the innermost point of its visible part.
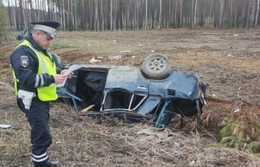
(24, 60)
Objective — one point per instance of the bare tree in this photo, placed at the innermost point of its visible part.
(137, 18)
(191, 14)
(120, 14)
(152, 15)
(257, 13)
(9, 14)
(160, 15)
(195, 14)
(62, 9)
(180, 18)
(231, 14)
(21, 14)
(43, 9)
(111, 15)
(82, 15)
(210, 18)
(117, 15)
(75, 17)
(220, 21)
(49, 9)
(248, 14)
(177, 14)
(252, 15)
(69, 12)
(203, 11)
(30, 12)
(17, 25)
(146, 14)
(96, 15)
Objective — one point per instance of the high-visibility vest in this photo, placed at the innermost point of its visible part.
(45, 93)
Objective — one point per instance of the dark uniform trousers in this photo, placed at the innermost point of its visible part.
(38, 117)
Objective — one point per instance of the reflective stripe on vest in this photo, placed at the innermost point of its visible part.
(44, 93)
(15, 83)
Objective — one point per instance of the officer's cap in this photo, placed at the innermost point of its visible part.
(47, 27)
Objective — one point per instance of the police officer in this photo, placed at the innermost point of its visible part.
(35, 79)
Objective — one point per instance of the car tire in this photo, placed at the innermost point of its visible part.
(156, 66)
(56, 59)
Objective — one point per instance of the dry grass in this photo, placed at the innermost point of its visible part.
(79, 141)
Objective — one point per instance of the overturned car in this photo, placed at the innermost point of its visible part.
(153, 94)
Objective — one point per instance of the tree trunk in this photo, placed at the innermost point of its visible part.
(96, 15)
(248, 14)
(63, 14)
(220, 21)
(102, 15)
(253, 9)
(9, 14)
(82, 12)
(75, 15)
(121, 15)
(191, 14)
(202, 13)
(146, 14)
(195, 14)
(180, 18)
(111, 15)
(49, 9)
(43, 9)
(160, 15)
(176, 13)
(257, 13)
(21, 14)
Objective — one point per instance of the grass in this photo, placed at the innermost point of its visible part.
(62, 46)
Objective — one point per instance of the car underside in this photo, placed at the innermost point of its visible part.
(132, 93)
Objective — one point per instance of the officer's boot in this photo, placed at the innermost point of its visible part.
(46, 164)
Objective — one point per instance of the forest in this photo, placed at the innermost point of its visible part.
(101, 15)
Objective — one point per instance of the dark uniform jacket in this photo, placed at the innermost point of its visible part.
(25, 64)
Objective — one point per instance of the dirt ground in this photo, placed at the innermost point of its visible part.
(227, 59)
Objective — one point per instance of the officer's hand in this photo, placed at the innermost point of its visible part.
(59, 79)
(69, 75)
(63, 72)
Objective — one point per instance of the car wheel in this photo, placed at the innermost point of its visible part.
(156, 66)
(56, 59)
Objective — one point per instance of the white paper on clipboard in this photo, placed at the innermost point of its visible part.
(71, 69)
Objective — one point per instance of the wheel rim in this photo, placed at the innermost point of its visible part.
(156, 64)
